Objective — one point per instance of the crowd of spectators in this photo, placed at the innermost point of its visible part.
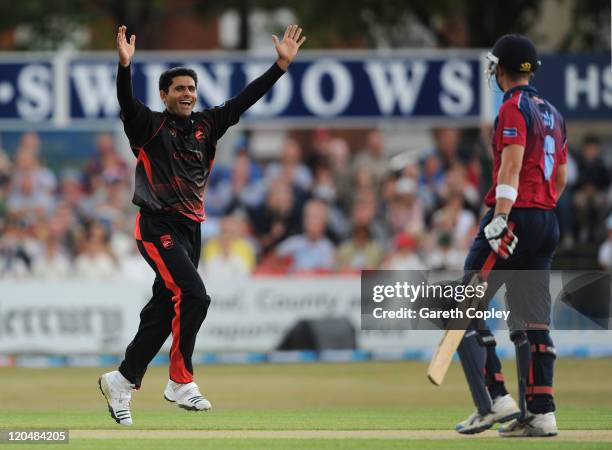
(322, 207)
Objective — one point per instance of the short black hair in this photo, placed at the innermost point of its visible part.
(165, 79)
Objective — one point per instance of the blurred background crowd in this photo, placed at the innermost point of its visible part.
(323, 206)
(317, 201)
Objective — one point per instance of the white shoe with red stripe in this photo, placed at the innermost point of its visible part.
(186, 396)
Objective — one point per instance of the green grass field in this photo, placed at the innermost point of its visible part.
(298, 406)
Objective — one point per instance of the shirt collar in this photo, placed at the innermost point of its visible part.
(179, 121)
(522, 87)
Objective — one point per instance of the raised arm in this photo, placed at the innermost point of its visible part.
(286, 51)
(229, 113)
(289, 46)
(137, 119)
(129, 104)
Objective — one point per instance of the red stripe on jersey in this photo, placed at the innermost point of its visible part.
(146, 164)
(155, 134)
(142, 155)
(137, 234)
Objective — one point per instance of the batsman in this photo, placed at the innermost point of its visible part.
(529, 174)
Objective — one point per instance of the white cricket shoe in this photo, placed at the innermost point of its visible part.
(504, 408)
(476, 423)
(186, 396)
(533, 425)
(118, 392)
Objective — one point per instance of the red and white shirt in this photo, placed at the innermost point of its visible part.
(528, 120)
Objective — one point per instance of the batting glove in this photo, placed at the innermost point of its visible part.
(501, 239)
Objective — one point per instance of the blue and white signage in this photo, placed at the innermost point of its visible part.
(580, 86)
(27, 91)
(321, 87)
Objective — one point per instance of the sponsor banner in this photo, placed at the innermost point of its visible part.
(66, 89)
(326, 87)
(68, 317)
(27, 90)
(247, 319)
(580, 86)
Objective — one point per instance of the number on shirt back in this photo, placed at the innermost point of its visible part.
(549, 156)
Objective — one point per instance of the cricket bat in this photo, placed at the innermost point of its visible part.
(442, 358)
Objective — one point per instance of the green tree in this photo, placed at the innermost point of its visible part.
(47, 24)
(590, 28)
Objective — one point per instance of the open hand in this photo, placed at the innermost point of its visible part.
(124, 48)
(289, 46)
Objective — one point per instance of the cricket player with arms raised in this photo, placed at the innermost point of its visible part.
(175, 151)
(529, 175)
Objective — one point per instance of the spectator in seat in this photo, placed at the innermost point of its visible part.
(310, 251)
(453, 228)
(605, 250)
(53, 262)
(326, 190)
(457, 220)
(360, 251)
(6, 167)
(230, 255)
(242, 190)
(95, 259)
(591, 190)
(374, 157)
(457, 183)
(27, 164)
(405, 213)
(404, 254)
(18, 249)
(430, 181)
(447, 147)
(290, 168)
(27, 203)
(107, 163)
(279, 218)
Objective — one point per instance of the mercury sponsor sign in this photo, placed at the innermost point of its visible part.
(68, 317)
(351, 88)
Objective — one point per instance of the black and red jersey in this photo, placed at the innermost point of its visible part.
(528, 120)
(176, 154)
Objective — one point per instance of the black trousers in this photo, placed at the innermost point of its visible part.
(179, 303)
